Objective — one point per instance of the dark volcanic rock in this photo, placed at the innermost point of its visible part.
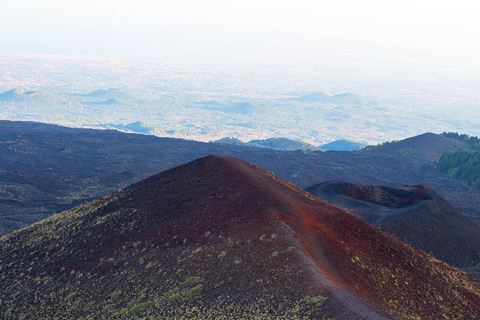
(427, 146)
(47, 168)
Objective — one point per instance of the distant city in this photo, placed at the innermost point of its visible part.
(205, 100)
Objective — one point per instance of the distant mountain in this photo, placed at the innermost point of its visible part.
(244, 108)
(283, 144)
(427, 146)
(219, 238)
(415, 214)
(342, 98)
(346, 96)
(233, 142)
(107, 95)
(211, 103)
(106, 102)
(315, 97)
(137, 127)
(343, 145)
(24, 96)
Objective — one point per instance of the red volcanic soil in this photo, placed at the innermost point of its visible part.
(382, 195)
(415, 214)
(427, 146)
(246, 235)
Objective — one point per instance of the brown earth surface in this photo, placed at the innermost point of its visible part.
(220, 238)
(415, 214)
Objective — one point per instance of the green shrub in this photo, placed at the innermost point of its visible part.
(115, 294)
(196, 291)
(141, 306)
(192, 280)
(199, 249)
(172, 296)
(71, 296)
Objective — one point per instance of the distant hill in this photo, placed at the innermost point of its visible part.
(346, 96)
(353, 99)
(106, 102)
(24, 96)
(342, 98)
(343, 145)
(315, 97)
(415, 214)
(271, 143)
(284, 144)
(233, 142)
(244, 108)
(212, 103)
(107, 95)
(137, 127)
(219, 238)
(427, 146)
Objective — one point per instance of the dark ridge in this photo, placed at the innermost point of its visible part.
(427, 146)
(64, 166)
(282, 144)
(342, 145)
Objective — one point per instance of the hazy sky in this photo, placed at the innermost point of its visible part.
(407, 27)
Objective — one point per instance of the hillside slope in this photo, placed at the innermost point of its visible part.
(427, 146)
(24, 96)
(342, 145)
(415, 214)
(48, 169)
(220, 238)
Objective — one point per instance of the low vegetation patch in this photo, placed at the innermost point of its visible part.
(141, 307)
(462, 165)
(192, 280)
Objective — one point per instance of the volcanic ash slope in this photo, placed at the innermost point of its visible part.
(219, 238)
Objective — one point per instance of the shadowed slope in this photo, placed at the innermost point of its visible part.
(393, 198)
(342, 145)
(415, 214)
(427, 146)
(48, 169)
(216, 234)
